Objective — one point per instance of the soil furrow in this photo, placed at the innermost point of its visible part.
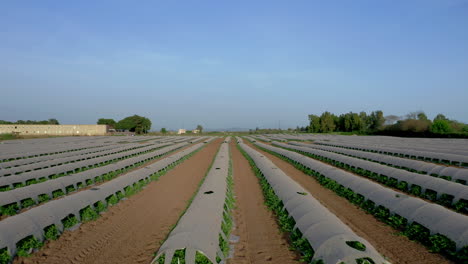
(261, 240)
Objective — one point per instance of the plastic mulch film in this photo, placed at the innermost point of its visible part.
(200, 227)
(325, 232)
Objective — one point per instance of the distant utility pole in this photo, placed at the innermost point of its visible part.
(279, 124)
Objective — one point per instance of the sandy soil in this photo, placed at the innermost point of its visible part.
(260, 238)
(132, 230)
(397, 248)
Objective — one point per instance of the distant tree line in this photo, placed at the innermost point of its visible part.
(135, 123)
(413, 124)
(362, 122)
(51, 121)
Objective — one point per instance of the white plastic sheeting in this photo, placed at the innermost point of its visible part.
(455, 159)
(79, 153)
(426, 182)
(199, 228)
(33, 191)
(71, 167)
(30, 148)
(325, 232)
(433, 216)
(419, 166)
(33, 221)
(60, 161)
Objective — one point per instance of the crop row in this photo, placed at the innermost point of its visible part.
(22, 162)
(450, 159)
(40, 153)
(62, 161)
(22, 233)
(28, 178)
(446, 193)
(458, 175)
(12, 201)
(316, 232)
(201, 235)
(441, 229)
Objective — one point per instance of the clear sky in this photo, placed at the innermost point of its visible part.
(228, 64)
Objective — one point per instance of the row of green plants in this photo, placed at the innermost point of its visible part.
(448, 178)
(444, 199)
(88, 152)
(401, 155)
(436, 243)
(229, 205)
(226, 225)
(14, 208)
(77, 159)
(77, 170)
(31, 244)
(45, 154)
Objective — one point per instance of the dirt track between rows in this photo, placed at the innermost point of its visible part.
(132, 230)
(260, 238)
(397, 248)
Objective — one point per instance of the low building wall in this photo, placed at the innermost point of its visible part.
(55, 130)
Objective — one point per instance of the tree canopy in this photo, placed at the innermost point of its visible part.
(51, 121)
(200, 128)
(135, 123)
(415, 124)
(106, 121)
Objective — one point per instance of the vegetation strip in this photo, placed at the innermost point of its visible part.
(441, 230)
(19, 181)
(447, 173)
(446, 193)
(30, 161)
(319, 235)
(20, 234)
(201, 235)
(13, 201)
(434, 157)
(6, 172)
(11, 157)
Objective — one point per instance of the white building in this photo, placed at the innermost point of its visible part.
(182, 131)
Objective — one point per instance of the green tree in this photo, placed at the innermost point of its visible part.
(376, 120)
(327, 122)
(314, 126)
(135, 123)
(356, 122)
(53, 121)
(200, 128)
(163, 130)
(364, 121)
(441, 126)
(422, 116)
(106, 121)
(440, 117)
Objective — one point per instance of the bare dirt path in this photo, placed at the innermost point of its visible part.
(397, 248)
(132, 230)
(260, 238)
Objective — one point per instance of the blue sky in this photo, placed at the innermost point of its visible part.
(228, 64)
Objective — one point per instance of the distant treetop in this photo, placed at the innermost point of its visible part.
(51, 121)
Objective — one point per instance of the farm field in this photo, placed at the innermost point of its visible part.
(273, 198)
